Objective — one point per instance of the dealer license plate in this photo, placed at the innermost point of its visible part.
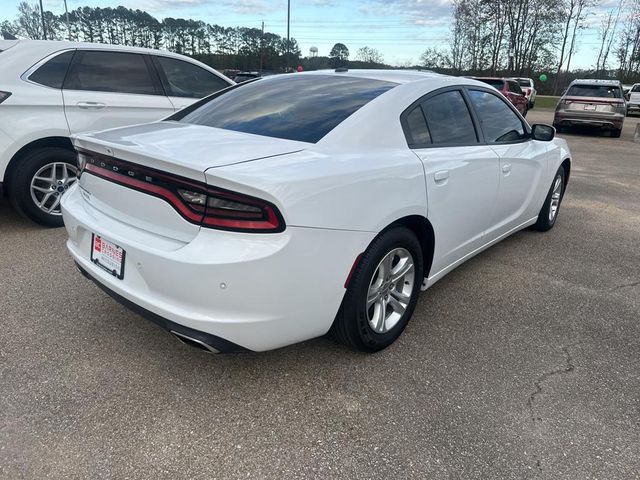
(108, 256)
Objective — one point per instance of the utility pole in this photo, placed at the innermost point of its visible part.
(66, 11)
(288, 37)
(44, 28)
(262, 47)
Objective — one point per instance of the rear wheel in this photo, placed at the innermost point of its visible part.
(382, 293)
(549, 211)
(526, 110)
(39, 181)
(616, 133)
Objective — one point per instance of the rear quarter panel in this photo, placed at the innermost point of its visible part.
(347, 191)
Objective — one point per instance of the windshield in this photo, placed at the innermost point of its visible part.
(602, 91)
(294, 107)
(497, 83)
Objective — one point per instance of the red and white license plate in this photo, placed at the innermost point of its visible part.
(108, 256)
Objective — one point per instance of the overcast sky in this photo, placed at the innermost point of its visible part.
(399, 29)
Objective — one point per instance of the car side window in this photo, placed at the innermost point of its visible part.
(52, 73)
(499, 123)
(184, 79)
(449, 120)
(515, 88)
(418, 132)
(104, 71)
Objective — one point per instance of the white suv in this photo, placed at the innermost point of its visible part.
(51, 90)
(633, 99)
(529, 90)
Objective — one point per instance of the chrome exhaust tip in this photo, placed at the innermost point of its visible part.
(193, 342)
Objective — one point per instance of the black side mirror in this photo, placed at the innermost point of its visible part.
(542, 132)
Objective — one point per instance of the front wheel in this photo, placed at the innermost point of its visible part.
(549, 211)
(39, 181)
(382, 293)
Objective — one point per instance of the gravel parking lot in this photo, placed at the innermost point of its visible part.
(522, 363)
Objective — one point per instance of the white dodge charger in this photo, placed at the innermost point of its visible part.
(274, 211)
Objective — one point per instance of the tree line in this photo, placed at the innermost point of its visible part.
(229, 47)
(529, 37)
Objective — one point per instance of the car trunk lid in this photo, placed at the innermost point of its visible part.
(135, 173)
(593, 104)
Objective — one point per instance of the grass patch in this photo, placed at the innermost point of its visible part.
(546, 102)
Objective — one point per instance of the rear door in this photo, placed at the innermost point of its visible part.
(105, 89)
(523, 162)
(185, 82)
(461, 174)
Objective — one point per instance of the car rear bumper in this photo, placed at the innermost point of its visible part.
(230, 290)
(633, 107)
(568, 119)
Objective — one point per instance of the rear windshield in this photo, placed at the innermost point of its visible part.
(294, 107)
(636, 88)
(603, 91)
(524, 82)
(494, 83)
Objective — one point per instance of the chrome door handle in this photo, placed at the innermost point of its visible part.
(506, 168)
(441, 176)
(86, 105)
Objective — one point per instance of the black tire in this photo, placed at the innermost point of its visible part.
(526, 110)
(616, 133)
(545, 221)
(351, 325)
(19, 188)
(531, 105)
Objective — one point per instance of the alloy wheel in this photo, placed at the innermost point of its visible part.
(555, 198)
(390, 290)
(50, 183)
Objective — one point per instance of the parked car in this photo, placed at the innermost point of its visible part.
(50, 90)
(330, 199)
(510, 89)
(594, 103)
(633, 101)
(244, 76)
(529, 90)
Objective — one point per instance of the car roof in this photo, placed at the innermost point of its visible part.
(395, 76)
(593, 81)
(55, 45)
(493, 78)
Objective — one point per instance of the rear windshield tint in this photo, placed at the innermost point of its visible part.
(294, 107)
(636, 88)
(523, 82)
(494, 83)
(603, 91)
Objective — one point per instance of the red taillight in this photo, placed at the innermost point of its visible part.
(4, 96)
(196, 202)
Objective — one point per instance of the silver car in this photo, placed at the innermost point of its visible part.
(595, 103)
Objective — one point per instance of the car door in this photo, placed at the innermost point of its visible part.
(461, 174)
(186, 82)
(523, 161)
(105, 89)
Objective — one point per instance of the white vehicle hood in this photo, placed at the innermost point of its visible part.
(184, 149)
